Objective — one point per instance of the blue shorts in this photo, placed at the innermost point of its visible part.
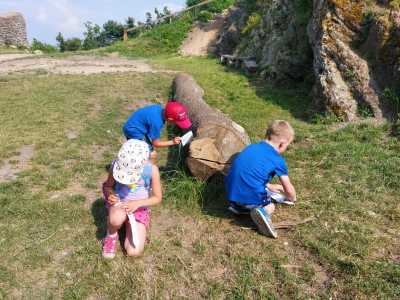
(249, 207)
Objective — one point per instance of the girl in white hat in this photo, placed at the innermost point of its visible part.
(127, 193)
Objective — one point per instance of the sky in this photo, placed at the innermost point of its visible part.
(46, 18)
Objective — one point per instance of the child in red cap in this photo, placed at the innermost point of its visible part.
(147, 123)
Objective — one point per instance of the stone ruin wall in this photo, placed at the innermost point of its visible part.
(13, 28)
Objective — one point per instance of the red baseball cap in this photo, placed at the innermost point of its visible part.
(177, 112)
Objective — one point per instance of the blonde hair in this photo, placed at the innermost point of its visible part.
(278, 130)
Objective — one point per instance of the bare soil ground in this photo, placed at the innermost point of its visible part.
(76, 64)
(201, 40)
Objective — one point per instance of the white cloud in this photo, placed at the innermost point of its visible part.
(42, 17)
(60, 5)
(72, 24)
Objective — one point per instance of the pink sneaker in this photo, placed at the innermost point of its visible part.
(110, 246)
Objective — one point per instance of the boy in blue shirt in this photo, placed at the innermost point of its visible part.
(147, 123)
(251, 172)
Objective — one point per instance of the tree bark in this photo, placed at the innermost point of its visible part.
(217, 139)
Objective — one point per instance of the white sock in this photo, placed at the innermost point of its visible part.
(112, 235)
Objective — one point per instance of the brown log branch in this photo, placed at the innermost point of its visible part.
(217, 139)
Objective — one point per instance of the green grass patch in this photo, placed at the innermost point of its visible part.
(53, 215)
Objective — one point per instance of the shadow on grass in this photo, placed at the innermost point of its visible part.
(100, 213)
(211, 198)
(295, 96)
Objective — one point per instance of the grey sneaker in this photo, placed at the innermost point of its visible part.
(264, 222)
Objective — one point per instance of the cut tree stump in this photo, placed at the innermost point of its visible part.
(217, 139)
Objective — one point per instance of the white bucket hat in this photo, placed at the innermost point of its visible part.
(130, 161)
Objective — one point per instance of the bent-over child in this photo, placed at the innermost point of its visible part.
(133, 184)
(251, 173)
(147, 123)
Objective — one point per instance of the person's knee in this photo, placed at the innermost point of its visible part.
(115, 220)
(270, 208)
(134, 252)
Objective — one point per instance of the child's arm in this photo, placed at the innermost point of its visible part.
(288, 188)
(276, 188)
(109, 189)
(158, 143)
(131, 206)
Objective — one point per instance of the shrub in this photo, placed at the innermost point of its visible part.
(252, 22)
(391, 96)
(204, 16)
(45, 48)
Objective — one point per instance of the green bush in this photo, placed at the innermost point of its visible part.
(45, 48)
(252, 22)
(204, 16)
(163, 39)
(391, 96)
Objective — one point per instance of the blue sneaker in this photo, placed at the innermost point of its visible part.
(238, 210)
(264, 222)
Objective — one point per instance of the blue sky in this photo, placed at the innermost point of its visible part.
(46, 18)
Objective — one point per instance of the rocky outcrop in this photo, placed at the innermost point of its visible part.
(13, 29)
(279, 42)
(234, 18)
(355, 57)
(352, 48)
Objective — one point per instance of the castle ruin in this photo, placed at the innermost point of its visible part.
(13, 29)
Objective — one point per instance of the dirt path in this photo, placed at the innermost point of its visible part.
(201, 40)
(76, 64)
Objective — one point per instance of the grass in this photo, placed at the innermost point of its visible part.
(53, 214)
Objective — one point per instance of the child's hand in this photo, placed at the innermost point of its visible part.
(276, 188)
(291, 199)
(113, 198)
(130, 206)
(176, 140)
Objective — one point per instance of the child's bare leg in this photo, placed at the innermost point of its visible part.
(116, 218)
(270, 208)
(131, 250)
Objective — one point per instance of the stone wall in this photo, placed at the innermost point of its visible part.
(13, 29)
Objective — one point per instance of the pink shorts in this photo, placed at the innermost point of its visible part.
(142, 214)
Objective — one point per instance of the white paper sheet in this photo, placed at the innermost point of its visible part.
(278, 197)
(135, 234)
(186, 139)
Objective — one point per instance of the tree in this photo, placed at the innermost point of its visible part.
(148, 19)
(73, 44)
(93, 37)
(166, 12)
(113, 31)
(158, 14)
(130, 22)
(61, 42)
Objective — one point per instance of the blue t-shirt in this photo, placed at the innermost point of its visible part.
(251, 170)
(146, 121)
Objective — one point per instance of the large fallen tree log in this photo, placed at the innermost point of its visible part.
(217, 139)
